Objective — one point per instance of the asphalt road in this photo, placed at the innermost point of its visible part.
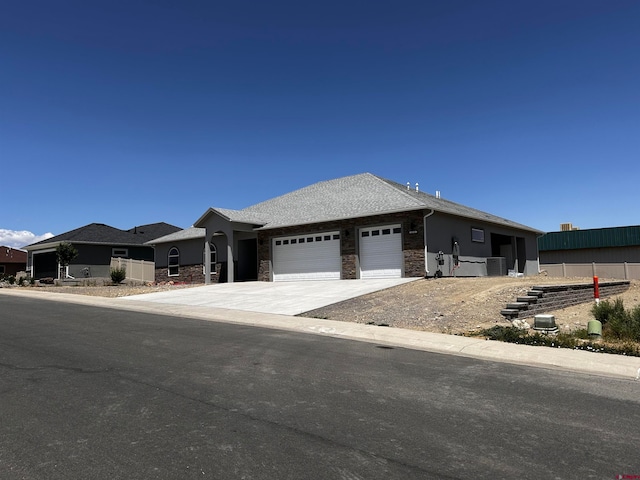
(108, 394)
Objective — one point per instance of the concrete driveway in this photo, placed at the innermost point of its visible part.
(286, 298)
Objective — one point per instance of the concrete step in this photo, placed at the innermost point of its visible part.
(510, 313)
(518, 305)
(527, 299)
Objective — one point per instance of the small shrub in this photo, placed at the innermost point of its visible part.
(625, 326)
(11, 279)
(605, 311)
(504, 334)
(118, 275)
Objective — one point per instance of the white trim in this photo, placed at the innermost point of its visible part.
(213, 252)
(176, 266)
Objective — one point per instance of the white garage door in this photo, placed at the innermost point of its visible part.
(381, 252)
(307, 257)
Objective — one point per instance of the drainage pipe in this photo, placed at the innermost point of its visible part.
(424, 226)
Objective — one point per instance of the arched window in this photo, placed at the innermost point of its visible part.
(174, 261)
(214, 258)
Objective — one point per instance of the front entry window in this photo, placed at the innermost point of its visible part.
(174, 261)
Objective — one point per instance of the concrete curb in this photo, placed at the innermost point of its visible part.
(546, 357)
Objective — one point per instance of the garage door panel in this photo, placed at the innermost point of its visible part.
(311, 257)
(381, 252)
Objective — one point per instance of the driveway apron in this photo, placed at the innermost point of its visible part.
(286, 298)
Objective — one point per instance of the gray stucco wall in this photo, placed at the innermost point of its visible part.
(443, 228)
(190, 252)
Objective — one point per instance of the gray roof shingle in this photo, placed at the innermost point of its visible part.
(99, 233)
(355, 196)
(186, 234)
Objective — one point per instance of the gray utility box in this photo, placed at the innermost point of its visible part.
(496, 266)
(545, 323)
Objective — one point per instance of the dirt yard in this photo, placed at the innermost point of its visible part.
(457, 305)
(445, 305)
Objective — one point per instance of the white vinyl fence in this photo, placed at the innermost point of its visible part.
(139, 270)
(619, 271)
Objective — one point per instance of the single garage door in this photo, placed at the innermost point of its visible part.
(381, 252)
(307, 257)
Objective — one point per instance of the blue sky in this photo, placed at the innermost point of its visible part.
(134, 112)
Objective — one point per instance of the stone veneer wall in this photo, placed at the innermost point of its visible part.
(187, 274)
(555, 297)
(412, 243)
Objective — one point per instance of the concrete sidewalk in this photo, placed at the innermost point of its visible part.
(564, 359)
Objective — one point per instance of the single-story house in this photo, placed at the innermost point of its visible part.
(96, 244)
(12, 261)
(360, 226)
(608, 252)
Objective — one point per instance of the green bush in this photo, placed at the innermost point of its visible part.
(118, 275)
(624, 326)
(504, 334)
(605, 311)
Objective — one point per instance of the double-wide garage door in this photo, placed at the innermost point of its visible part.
(307, 257)
(318, 256)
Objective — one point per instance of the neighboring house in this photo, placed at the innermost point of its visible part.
(361, 226)
(96, 244)
(612, 252)
(12, 261)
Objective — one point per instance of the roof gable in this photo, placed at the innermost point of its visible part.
(238, 216)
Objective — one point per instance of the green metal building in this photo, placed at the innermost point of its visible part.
(599, 245)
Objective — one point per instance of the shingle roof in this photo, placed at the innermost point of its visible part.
(355, 196)
(241, 216)
(99, 233)
(153, 230)
(447, 206)
(186, 234)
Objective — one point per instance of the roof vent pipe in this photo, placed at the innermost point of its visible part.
(408, 185)
(417, 189)
(437, 193)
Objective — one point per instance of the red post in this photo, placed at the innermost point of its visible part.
(596, 289)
